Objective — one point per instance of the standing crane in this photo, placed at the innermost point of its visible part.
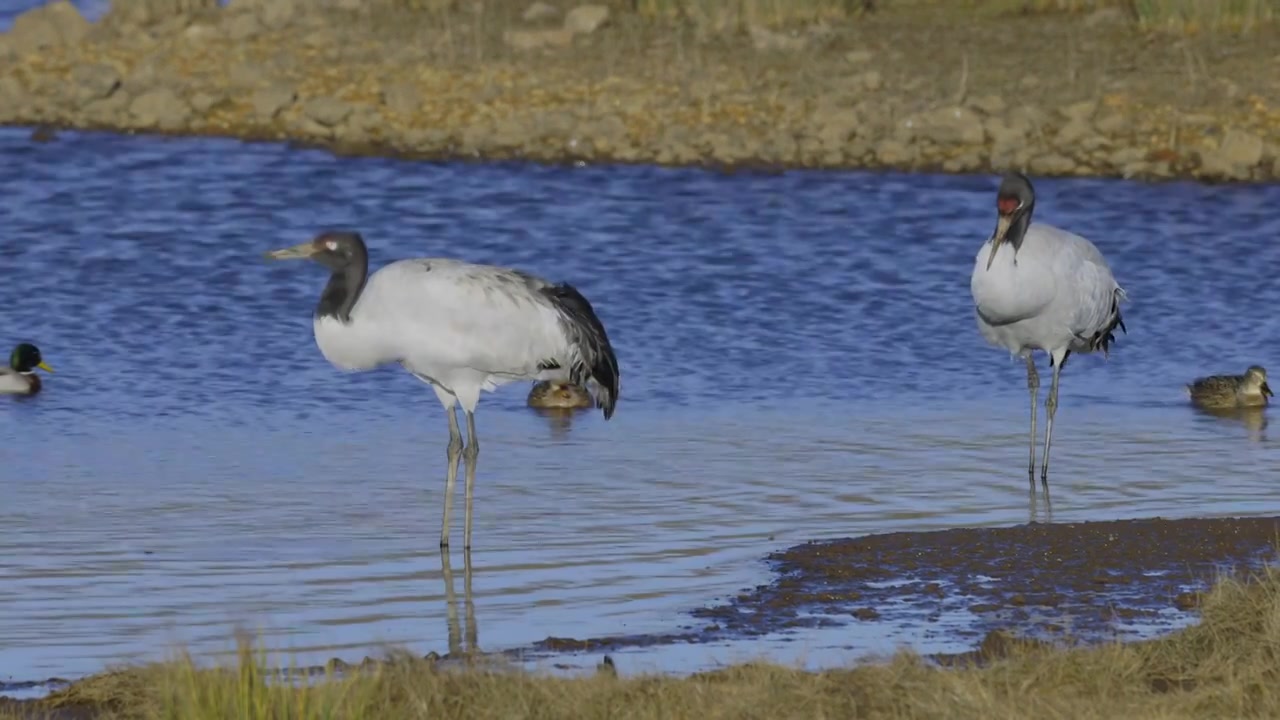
(459, 327)
(1036, 287)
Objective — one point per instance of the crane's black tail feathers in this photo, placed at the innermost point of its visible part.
(595, 359)
(1103, 339)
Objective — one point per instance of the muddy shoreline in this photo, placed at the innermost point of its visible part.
(900, 88)
(1026, 586)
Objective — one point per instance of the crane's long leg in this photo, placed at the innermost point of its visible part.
(1033, 385)
(1051, 408)
(451, 479)
(471, 452)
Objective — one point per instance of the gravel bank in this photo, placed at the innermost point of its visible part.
(907, 88)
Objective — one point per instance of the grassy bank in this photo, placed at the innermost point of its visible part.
(1225, 667)
(1131, 88)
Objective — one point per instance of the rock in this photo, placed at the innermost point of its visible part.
(586, 19)
(892, 152)
(162, 108)
(1052, 164)
(1112, 123)
(203, 102)
(539, 12)
(1127, 156)
(1105, 16)
(768, 40)
(244, 25)
(871, 80)
(269, 101)
(58, 23)
(526, 40)
(836, 127)
(326, 111)
(1072, 133)
(94, 82)
(988, 105)
(403, 98)
(951, 126)
(244, 75)
(13, 97)
(276, 14)
(1235, 157)
(1079, 112)
(858, 57)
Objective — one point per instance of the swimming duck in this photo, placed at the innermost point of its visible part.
(1232, 391)
(20, 378)
(550, 395)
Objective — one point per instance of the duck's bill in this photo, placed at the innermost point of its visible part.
(45, 366)
(1266, 390)
(297, 252)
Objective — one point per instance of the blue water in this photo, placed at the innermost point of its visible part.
(798, 356)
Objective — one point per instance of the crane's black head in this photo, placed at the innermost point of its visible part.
(26, 358)
(335, 250)
(1014, 202)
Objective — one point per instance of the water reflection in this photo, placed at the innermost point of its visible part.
(1252, 419)
(457, 649)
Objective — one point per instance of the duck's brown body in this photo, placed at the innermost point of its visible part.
(1220, 392)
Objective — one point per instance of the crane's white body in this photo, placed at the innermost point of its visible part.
(461, 327)
(1055, 294)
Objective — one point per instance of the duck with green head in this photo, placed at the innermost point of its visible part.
(20, 377)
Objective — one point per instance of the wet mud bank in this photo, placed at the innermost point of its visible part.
(1064, 583)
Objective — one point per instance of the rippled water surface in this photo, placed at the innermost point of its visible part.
(799, 360)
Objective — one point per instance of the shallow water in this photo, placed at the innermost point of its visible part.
(798, 355)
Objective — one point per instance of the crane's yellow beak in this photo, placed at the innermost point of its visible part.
(45, 366)
(297, 252)
(1002, 228)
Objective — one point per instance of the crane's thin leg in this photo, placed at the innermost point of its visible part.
(471, 452)
(451, 479)
(1051, 408)
(1033, 385)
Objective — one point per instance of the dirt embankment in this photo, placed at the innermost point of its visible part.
(909, 85)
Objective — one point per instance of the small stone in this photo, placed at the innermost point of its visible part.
(269, 101)
(243, 26)
(1112, 123)
(161, 108)
(203, 102)
(1241, 148)
(526, 40)
(326, 111)
(1079, 112)
(988, 105)
(871, 80)
(403, 98)
(858, 57)
(277, 14)
(1052, 164)
(768, 40)
(893, 152)
(1072, 133)
(94, 81)
(539, 12)
(586, 19)
(951, 126)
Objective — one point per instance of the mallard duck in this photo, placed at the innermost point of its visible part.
(553, 395)
(1232, 391)
(20, 378)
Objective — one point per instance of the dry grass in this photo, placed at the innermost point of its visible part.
(1225, 667)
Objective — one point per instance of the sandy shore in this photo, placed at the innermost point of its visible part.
(902, 87)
